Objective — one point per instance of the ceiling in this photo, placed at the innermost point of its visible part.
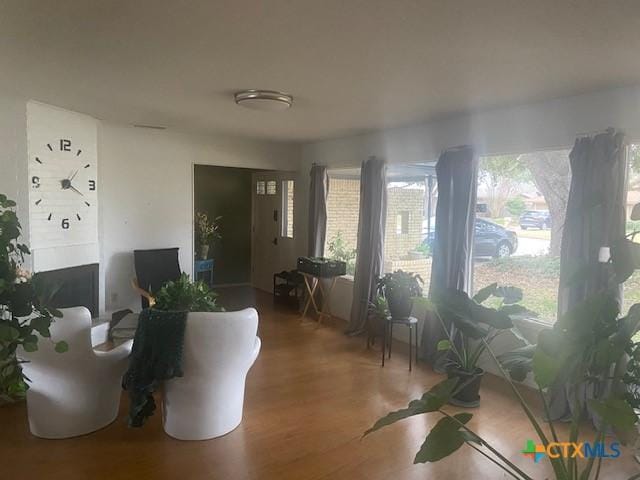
(352, 66)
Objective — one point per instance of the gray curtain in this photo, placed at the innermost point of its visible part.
(318, 191)
(371, 228)
(595, 216)
(457, 174)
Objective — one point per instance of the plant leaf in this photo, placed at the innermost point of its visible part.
(509, 294)
(625, 257)
(8, 333)
(443, 345)
(545, 368)
(616, 412)
(30, 346)
(431, 401)
(62, 346)
(517, 310)
(491, 316)
(484, 293)
(41, 325)
(443, 439)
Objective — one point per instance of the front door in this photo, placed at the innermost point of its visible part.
(272, 232)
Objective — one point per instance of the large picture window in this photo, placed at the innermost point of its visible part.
(522, 202)
(631, 288)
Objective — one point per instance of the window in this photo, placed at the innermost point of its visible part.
(260, 187)
(343, 207)
(518, 230)
(287, 209)
(402, 223)
(271, 187)
(631, 288)
(411, 206)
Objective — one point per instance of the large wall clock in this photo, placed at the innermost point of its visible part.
(62, 177)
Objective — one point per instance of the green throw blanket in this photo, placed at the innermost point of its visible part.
(156, 356)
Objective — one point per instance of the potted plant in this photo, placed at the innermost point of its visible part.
(399, 289)
(207, 231)
(24, 316)
(183, 295)
(466, 321)
(377, 315)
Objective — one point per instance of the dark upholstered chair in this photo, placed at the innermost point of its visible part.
(154, 268)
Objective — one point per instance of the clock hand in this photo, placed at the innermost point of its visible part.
(73, 176)
(76, 190)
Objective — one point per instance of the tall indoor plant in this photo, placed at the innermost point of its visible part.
(207, 232)
(24, 316)
(399, 290)
(463, 346)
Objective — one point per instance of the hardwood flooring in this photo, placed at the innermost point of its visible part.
(310, 395)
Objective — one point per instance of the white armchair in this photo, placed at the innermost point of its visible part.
(219, 349)
(75, 392)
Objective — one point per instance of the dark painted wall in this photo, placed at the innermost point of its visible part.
(226, 191)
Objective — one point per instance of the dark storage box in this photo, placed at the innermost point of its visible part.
(321, 267)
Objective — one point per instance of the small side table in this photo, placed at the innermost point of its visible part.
(313, 282)
(203, 267)
(412, 323)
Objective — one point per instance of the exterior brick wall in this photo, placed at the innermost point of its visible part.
(343, 205)
(410, 200)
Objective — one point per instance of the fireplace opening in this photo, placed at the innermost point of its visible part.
(77, 287)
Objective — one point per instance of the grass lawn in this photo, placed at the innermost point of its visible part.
(539, 279)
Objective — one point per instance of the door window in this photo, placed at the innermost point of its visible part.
(286, 228)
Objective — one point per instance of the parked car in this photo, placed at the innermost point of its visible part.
(490, 240)
(535, 219)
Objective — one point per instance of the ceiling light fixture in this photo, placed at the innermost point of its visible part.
(150, 127)
(267, 100)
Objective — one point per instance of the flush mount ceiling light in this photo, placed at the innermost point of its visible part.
(267, 100)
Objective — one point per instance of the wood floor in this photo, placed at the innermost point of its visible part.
(310, 395)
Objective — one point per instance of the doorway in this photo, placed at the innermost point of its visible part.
(224, 193)
(274, 232)
(256, 211)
